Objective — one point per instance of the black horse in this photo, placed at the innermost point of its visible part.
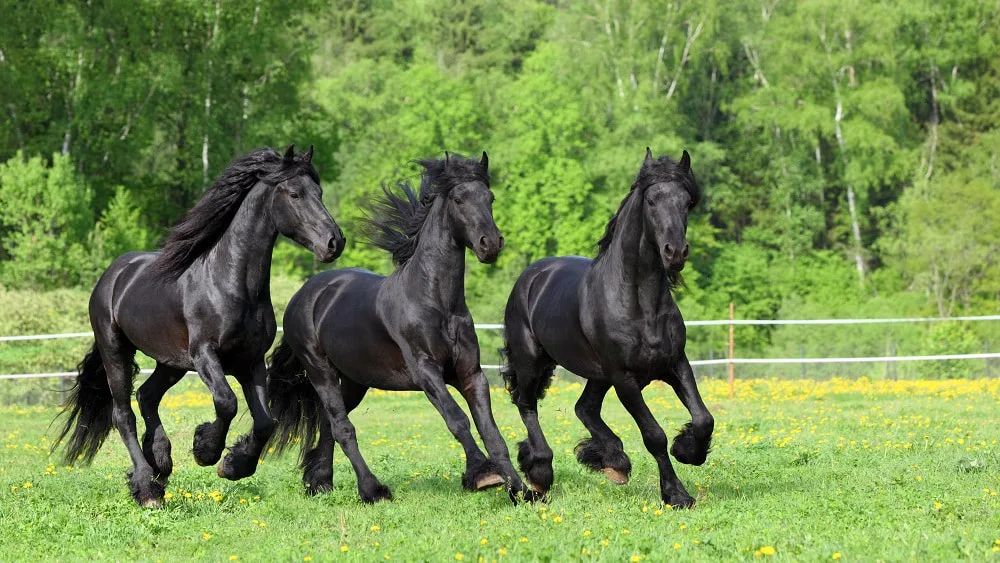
(203, 303)
(349, 330)
(612, 320)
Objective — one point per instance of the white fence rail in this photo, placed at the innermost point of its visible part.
(718, 361)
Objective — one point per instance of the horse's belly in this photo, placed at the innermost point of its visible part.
(365, 356)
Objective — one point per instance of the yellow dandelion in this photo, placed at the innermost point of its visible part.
(625, 532)
(523, 539)
(767, 550)
(484, 541)
(307, 558)
(605, 542)
(937, 506)
(677, 546)
(375, 527)
(836, 555)
(503, 551)
(343, 548)
(657, 512)
(635, 559)
(586, 533)
(557, 519)
(233, 558)
(459, 557)
(206, 536)
(26, 485)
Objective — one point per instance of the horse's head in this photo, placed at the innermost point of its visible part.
(469, 207)
(670, 193)
(297, 209)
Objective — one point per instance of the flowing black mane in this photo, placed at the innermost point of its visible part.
(653, 171)
(394, 220)
(205, 223)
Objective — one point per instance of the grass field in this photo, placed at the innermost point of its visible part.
(838, 469)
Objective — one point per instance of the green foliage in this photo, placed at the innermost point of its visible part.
(44, 217)
(789, 110)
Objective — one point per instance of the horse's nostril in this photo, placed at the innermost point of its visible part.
(501, 242)
(482, 242)
(687, 251)
(331, 244)
(667, 251)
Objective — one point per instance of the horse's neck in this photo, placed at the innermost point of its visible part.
(436, 270)
(241, 260)
(632, 264)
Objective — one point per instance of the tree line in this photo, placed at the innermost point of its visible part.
(849, 151)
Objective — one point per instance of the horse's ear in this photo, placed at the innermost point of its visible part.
(649, 155)
(685, 161)
(446, 158)
(289, 157)
(485, 162)
(308, 156)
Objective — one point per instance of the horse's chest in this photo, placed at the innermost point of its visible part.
(250, 333)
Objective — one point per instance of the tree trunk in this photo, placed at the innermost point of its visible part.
(859, 260)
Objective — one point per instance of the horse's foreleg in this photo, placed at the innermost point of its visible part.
(630, 394)
(244, 455)
(476, 390)
(603, 451)
(691, 446)
(155, 443)
(210, 437)
(480, 472)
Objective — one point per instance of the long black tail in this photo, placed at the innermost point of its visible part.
(507, 371)
(89, 406)
(294, 403)
(534, 384)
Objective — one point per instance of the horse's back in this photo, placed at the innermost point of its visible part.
(545, 301)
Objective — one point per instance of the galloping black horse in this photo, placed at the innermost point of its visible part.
(612, 320)
(203, 303)
(349, 330)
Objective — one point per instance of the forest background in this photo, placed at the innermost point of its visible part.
(849, 151)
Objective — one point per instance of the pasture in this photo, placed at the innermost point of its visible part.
(816, 470)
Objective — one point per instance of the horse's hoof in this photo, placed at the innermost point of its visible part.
(221, 470)
(615, 476)
(535, 487)
(489, 481)
(151, 503)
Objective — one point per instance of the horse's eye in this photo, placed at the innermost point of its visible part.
(294, 195)
(649, 202)
(458, 200)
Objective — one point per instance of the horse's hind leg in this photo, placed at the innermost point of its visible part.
(155, 443)
(243, 456)
(118, 355)
(603, 451)
(691, 446)
(328, 386)
(317, 463)
(528, 375)
(210, 437)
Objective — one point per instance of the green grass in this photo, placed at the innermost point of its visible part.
(867, 470)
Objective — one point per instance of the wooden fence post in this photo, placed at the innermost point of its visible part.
(732, 348)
